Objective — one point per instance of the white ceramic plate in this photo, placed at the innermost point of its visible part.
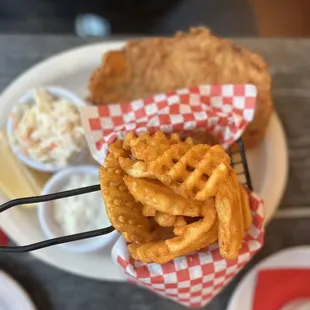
(71, 70)
(12, 296)
(297, 257)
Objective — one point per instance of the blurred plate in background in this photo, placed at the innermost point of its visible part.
(12, 296)
(296, 257)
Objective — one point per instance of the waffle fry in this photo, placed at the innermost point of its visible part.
(135, 168)
(195, 237)
(180, 221)
(165, 220)
(162, 198)
(148, 147)
(130, 137)
(229, 210)
(192, 201)
(123, 211)
(246, 211)
(148, 211)
(163, 233)
(192, 172)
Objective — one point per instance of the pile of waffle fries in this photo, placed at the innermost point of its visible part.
(169, 197)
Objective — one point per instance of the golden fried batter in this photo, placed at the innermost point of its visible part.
(146, 67)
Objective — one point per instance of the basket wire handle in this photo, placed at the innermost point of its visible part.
(59, 240)
(245, 164)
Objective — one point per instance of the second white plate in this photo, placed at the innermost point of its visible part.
(268, 163)
(296, 257)
(12, 295)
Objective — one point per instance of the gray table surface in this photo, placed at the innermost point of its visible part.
(52, 289)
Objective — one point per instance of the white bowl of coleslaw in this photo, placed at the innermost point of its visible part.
(44, 129)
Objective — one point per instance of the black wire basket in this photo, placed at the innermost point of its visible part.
(238, 162)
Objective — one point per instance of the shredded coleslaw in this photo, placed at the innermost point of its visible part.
(49, 129)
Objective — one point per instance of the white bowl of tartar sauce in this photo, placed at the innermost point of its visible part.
(44, 129)
(75, 214)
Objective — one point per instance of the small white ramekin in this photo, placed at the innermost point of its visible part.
(50, 227)
(37, 165)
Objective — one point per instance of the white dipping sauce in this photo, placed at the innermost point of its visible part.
(81, 213)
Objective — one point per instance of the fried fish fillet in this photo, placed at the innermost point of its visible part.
(149, 66)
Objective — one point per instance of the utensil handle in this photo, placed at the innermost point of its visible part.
(89, 189)
(43, 244)
(56, 241)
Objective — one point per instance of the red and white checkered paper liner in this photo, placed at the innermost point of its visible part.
(195, 279)
(223, 110)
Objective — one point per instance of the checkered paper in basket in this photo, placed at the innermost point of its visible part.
(224, 110)
(195, 279)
